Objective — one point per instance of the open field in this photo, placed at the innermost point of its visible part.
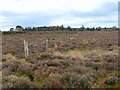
(87, 59)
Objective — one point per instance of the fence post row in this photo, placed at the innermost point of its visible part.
(26, 51)
(26, 46)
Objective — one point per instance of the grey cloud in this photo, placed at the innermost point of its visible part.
(44, 18)
(106, 9)
(28, 19)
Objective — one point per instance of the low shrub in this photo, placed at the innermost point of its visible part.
(13, 52)
(4, 59)
(109, 66)
(25, 69)
(11, 65)
(111, 80)
(72, 80)
(52, 83)
(18, 82)
(44, 57)
(6, 72)
(66, 63)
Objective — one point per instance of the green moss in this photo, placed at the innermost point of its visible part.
(55, 59)
(13, 52)
(116, 85)
(43, 78)
(31, 77)
(95, 67)
(102, 78)
(4, 59)
(24, 62)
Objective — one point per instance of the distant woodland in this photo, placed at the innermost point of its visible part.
(62, 28)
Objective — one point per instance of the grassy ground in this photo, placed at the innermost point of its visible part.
(85, 59)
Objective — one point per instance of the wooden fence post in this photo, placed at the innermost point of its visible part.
(47, 45)
(55, 44)
(67, 38)
(26, 49)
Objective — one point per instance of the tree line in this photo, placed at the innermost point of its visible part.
(62, 28)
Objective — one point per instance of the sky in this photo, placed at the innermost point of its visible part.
(74, 13)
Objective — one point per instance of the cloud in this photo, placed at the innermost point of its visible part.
(25, 6)
(72, 21)
(106, 9)
(103, 15)
(58, 12)
(33, 20)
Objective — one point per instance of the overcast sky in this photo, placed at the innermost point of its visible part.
(74, 13)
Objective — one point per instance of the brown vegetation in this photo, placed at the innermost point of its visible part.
(87, 60)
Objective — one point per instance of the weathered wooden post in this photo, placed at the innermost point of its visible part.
(26, 49)
(47, 45)
(67, 38)
(55, 44)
